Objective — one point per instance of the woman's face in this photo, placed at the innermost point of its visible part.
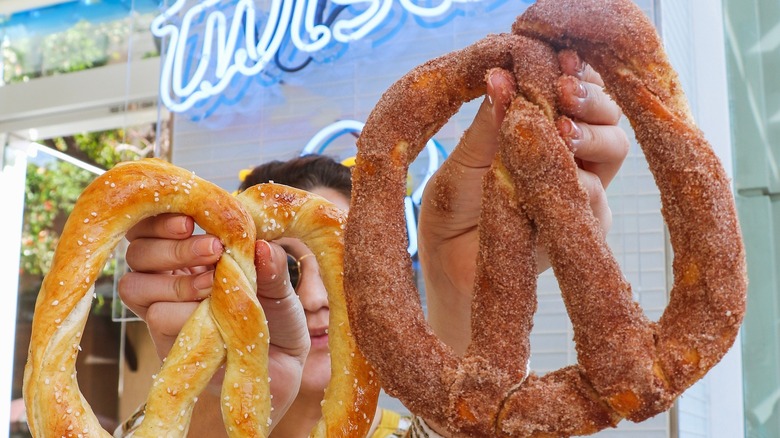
(314, 297)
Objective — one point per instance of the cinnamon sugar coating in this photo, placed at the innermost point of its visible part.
(628, 366)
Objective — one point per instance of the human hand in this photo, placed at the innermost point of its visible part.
(448, 237)
(173, 270)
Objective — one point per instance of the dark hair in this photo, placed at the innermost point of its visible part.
(304, 172)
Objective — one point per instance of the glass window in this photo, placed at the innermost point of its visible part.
(753, 37)
(74, 36)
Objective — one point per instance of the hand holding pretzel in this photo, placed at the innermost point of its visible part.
(628, 366)
(173, 270)
(448, 238)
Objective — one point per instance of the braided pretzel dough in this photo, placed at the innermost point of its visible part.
(227, 328)
(628, 366)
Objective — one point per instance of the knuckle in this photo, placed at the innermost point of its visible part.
(124, 286)
(623, 144)
(182, 287)
(592, 184)
(180, 250)
(155, 314)
(133, 254)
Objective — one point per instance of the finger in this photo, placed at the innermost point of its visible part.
(572, 65)
(283, 309)
(165, 321)
(457, 183)
(597, 197)
(600, 149)
(587, 102)
(164, 226)
(480, 141)
(140, 291)
(156, 255)
(273, 280)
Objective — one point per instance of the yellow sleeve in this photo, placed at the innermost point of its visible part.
(391, 424)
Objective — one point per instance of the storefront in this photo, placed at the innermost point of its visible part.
(148, 75)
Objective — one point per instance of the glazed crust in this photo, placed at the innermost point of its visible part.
(628, 366)
(227, 328)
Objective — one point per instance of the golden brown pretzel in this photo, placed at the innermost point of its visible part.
(229, 327)
(628, 366)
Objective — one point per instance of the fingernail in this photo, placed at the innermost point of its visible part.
(177, 225)
(207, 247)
(570, 132)
(580, 91)
(580, 67)
(263, 259)
(204, 281)
(491, 86)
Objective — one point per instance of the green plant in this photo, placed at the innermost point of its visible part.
(53, 188)
(50, 194)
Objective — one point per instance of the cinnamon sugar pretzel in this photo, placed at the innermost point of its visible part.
(628, 366)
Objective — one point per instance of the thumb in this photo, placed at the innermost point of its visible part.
(480, 142)
(283, 309)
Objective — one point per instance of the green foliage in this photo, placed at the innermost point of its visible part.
(50, 195)
(83, 46)
(102, 147)
(53, 188)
